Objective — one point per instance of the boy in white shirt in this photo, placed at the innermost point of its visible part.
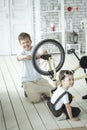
(34, 85)
(63, 105)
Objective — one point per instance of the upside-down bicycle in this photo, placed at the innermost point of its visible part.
(52, 62)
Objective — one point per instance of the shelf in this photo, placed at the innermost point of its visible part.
(51, 32)
(51, 11)
(51, 17)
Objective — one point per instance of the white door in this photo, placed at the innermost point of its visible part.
(4, 28)
(15, 17)
(21, 20)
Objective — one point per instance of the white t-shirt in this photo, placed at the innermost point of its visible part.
(62, 101)
(28, 72)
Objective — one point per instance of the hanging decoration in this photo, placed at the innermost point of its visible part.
(71, 10)
(76, 8)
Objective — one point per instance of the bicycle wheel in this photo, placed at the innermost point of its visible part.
(55, 50)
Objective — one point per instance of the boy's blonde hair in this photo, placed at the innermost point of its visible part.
(24, 35)
(64, 73)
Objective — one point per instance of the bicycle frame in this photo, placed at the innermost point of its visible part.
(53, 75)
(52, 68)
(80, 77)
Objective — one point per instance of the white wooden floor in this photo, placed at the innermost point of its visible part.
(17, 113)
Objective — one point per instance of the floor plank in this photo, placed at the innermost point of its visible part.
(19, 113)
(45, 116)
(29, 108)
(2, 123)
(21, 121)
(76, 128)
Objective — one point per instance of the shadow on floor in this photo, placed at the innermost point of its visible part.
(82, 128)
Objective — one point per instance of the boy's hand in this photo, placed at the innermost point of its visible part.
(38, 56)
(28, 57)
(22, 57)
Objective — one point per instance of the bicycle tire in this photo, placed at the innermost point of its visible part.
(62, 56)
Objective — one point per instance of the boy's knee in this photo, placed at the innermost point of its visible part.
(34, 101)
(34, 98)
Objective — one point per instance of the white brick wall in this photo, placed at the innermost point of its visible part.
(76, 18)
